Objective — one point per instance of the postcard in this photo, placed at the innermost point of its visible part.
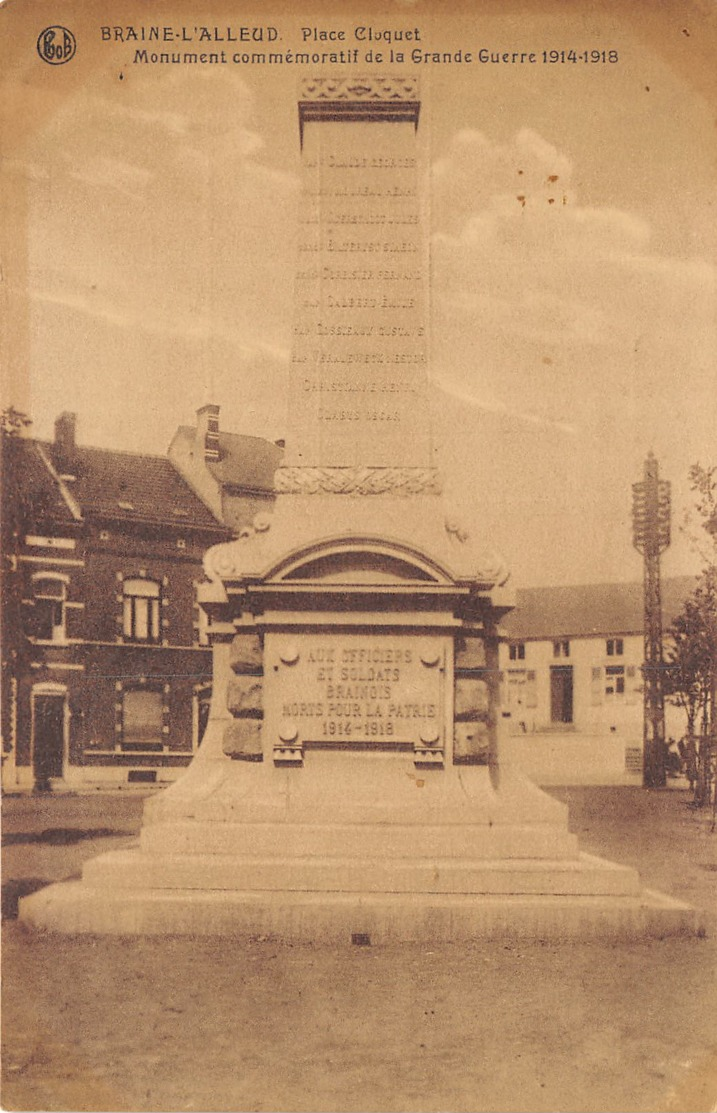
(511, 301)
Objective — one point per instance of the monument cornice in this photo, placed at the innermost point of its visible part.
(366, 99)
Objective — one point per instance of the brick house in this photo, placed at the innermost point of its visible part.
(105, 677)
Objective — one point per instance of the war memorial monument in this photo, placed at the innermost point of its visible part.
(350, 782)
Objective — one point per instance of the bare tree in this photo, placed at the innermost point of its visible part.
(13, 422)
(691, 673)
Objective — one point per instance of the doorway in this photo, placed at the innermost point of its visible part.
(48, 752)
(561, 693)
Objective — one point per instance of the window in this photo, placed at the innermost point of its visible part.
(516, 651)
(49, 595)
(614, 681)
(614, 647)
(142, 719)
(140, 610)
(561, 649)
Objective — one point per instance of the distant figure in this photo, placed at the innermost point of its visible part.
(688, 754)
(673, 763)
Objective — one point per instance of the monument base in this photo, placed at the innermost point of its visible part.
(345, 918)
(391, 857)
(350, 783)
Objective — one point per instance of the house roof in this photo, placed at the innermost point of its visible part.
(132, 487)
(590, 609)
(29, 485)
(245, 463)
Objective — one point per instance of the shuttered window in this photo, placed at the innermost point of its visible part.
(142, 719)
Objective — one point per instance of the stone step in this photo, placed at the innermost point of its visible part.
(585, 875)
(265, 840)
(337, 918)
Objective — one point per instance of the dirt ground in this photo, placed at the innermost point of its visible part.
(119, 1023)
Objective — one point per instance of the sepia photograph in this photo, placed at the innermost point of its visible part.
(359, 556)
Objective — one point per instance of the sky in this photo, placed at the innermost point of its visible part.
(148, 264)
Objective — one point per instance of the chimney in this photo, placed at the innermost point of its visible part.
(64, 444)
(65, 427)
(207, 436)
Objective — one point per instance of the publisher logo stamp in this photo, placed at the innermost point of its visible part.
(56, 45)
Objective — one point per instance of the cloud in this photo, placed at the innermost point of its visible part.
(112, 174)
(478, 175)
(197, 121)
(142, 317)
(558, 310)
(484, 405)
(159, 195)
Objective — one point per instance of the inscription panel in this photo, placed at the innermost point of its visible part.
(359, 352)
(355, 690)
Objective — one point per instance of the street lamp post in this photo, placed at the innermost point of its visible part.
(651, 536)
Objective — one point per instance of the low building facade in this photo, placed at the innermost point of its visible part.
(572, 681)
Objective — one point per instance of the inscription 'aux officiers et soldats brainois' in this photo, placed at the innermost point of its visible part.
(359, 690)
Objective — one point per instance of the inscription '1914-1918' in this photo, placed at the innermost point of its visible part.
(363, 689)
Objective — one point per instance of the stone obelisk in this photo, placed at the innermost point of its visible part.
(350, 780)
(358, 392)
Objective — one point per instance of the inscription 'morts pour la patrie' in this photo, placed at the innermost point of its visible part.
(358, 387)
(378, 689)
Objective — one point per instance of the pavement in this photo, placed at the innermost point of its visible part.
(172, 1023)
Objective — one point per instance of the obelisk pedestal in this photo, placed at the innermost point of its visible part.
(350, 781)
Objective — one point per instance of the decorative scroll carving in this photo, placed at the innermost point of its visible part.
(455, 529)
(220, 561)
(357, 481)
(493, 570)
(371, 88)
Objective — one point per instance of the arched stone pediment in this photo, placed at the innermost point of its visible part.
(359, 562)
